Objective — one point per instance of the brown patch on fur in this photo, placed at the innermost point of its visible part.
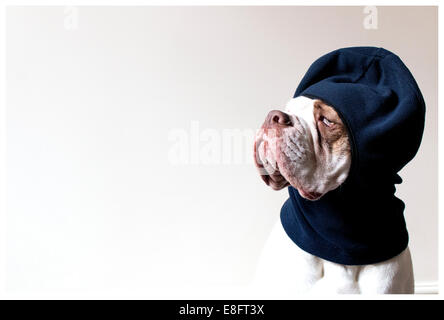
(333, 137)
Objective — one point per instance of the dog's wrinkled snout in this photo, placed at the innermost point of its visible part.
(278, 117)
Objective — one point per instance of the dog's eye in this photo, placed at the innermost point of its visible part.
(327, 122)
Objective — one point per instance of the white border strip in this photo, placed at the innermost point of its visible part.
(427, 288)
(3, 197)
(219, 3)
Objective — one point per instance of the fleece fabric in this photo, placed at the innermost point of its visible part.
(379, 101)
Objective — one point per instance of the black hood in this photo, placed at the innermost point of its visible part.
(382, 107)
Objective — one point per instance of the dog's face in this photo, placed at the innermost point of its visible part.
(306, 146)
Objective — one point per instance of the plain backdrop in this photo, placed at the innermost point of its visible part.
(94, 203)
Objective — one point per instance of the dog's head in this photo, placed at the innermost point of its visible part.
(306, 146)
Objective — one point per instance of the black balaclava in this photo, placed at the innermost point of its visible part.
(377, 98)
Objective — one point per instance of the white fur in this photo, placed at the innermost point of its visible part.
(284, 267)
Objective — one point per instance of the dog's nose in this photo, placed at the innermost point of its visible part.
(279, 117)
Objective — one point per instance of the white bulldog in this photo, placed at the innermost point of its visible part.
(307, 147)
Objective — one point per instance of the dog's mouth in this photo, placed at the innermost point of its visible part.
(277, 168)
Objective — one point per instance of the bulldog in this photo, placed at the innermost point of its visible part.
(307, 147)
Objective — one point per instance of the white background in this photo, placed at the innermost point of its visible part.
(93, 203)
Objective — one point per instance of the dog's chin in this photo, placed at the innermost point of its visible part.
(292, 179)
(312, 196)
(309, 195)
